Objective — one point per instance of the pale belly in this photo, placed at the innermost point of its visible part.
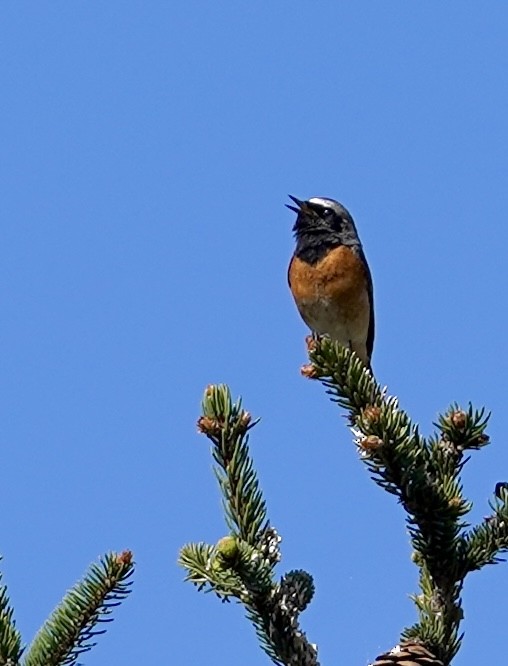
(346, 325)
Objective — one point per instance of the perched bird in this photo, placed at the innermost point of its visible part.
(329, 276)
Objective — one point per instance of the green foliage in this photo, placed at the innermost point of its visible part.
(226, 424)
(483, 544)
(241, 565)
(10, 638)
(75, 623)
(422, 473)
(72, 627)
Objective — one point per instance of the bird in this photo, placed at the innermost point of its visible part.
(329, 276)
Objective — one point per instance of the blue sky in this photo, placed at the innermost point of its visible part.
(147, 153)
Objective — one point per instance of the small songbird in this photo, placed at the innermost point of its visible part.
(329, 276)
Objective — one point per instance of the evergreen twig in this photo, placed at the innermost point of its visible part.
(10, 638)
(72, 627)
(425, 476)
(226, 424)
(484, 543)
(241, 564)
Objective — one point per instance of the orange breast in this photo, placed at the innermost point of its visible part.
(333, 298)
(339, 277)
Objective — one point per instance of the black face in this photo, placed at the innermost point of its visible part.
(321, 216)
(327, 215)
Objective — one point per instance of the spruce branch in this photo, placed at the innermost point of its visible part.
(73, 626)
(484, 543)
(10, 638)
(231, 568)
(226, 424)
(241, 564)
(425, 476)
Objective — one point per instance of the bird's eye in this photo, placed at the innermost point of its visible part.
(327, 211)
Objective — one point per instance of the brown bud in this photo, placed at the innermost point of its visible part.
(455, 503)
(245, 419)
(125, 557)
(372, 413)
(459, 419)
(209, 390)
(311, 342)
(309, 371)
(208, 426)
(371, 443)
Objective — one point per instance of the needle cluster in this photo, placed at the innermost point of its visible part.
(423, 474)
(241, 565)
(74, 625)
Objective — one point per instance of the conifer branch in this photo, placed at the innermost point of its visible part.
(10, 638)
(226, 425)
(241, 565)
(72, 627)
(484, 543)
(425, 476)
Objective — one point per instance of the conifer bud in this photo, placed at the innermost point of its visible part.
(227, 548)
(372, 414)
(125, 557)
(459, 419)
(245, 419)
(311, 343)
(208, 426)
(309, 371)
(371, 443)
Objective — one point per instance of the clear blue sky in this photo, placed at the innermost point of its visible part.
(147, 150)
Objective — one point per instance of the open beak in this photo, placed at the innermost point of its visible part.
(298, 202)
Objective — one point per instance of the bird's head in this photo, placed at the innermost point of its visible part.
(323, 217)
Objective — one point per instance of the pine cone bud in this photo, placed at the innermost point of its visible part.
(245, 419)
(227, 548)
(371, 443)
(208, 426)
(372, 414)
(459, 419)
(309, 371)
(408, 654)
(296, 590)
(125, 557)
(311, 342)
(455, 503)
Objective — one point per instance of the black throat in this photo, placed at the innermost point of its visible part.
(313, 246)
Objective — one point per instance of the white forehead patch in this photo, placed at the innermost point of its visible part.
(326, 203)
